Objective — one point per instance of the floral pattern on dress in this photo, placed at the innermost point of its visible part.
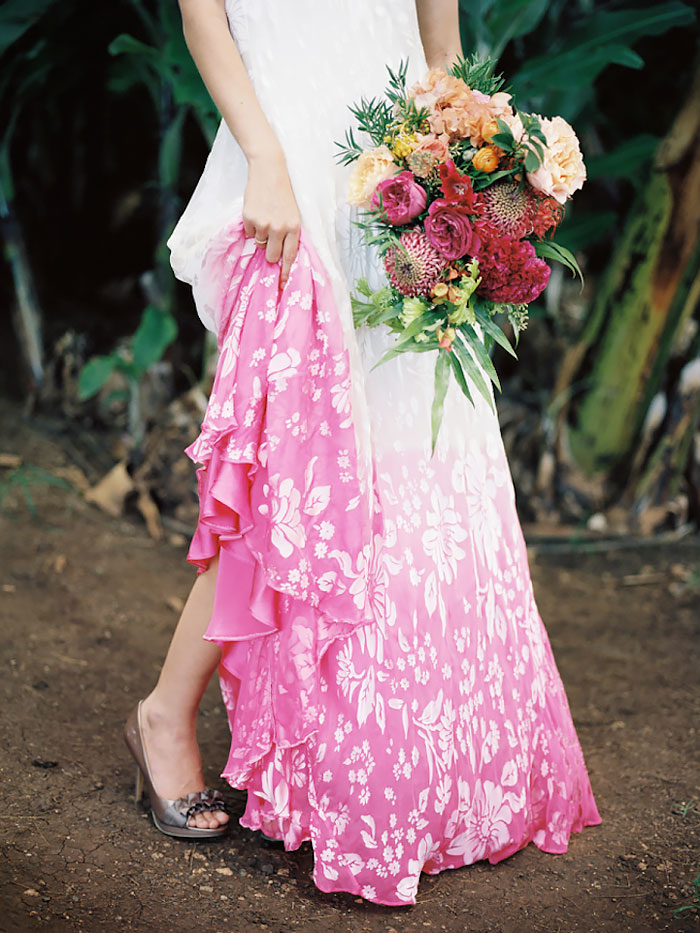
(390, 686)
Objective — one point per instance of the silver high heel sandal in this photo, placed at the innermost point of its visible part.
(169, 816)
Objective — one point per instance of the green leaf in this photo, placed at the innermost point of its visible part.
(154, 334)
(493, 330)
(17, 17)
(472, 370)
(547, 249)
(503, 141)
(532, 161)
(126, 44)
(442, 378)
(94, 374)
(170, 151)
(626, 160)
(471, 338)
(459, 375)
(604, 39)
(415, 327)
(584, 229)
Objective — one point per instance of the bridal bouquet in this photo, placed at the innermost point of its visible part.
(462, 194)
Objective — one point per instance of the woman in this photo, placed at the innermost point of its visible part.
(390, 686)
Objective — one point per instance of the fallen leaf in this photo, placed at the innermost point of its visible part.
(58, 564)
(175, 603)
(150, 513)
(111, 491)
(73, 475)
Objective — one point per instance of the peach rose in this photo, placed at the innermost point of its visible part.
(373, 166)
(562, 170)
(435, 145)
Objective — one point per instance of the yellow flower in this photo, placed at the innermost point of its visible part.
(404, 144)
(373, 166)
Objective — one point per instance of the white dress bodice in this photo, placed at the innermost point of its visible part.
(308, 61)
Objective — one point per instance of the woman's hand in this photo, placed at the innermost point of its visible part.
(270, 212)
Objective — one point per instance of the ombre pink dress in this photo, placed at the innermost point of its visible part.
(390, 686)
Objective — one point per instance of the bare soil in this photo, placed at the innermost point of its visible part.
(88, 605)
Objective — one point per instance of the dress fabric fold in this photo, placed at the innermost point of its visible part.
(390, 687)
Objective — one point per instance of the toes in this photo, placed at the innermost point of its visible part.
(208, 819)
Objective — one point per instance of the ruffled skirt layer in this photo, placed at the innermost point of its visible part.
(391, 690)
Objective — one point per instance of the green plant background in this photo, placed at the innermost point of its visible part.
(106, 125)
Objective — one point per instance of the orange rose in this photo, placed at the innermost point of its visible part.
(486, 159)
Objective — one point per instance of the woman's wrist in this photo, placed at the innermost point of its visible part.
(269, 156)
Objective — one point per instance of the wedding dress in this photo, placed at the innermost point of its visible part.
(390, 686)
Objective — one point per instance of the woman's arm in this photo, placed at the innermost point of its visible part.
(270, 211)
(439, 31)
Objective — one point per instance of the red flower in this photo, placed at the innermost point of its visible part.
(510, 270)
(457, 187)
(548, 215)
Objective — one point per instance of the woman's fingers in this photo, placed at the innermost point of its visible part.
(289, 251)
(273, 252)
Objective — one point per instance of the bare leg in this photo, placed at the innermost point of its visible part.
(169, 712)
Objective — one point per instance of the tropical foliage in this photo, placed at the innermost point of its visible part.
(104, 126)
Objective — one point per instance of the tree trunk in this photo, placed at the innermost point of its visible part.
(646, 296)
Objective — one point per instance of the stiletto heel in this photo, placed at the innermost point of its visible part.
(170, 816)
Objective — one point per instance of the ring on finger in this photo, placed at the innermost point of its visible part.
(260, 242)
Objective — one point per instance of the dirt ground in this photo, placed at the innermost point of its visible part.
(88, 604)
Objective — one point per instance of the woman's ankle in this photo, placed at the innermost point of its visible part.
(160, 713)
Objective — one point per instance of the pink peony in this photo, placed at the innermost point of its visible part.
(400, 198)
(450, 230)
(413, 266)
(510, 271)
